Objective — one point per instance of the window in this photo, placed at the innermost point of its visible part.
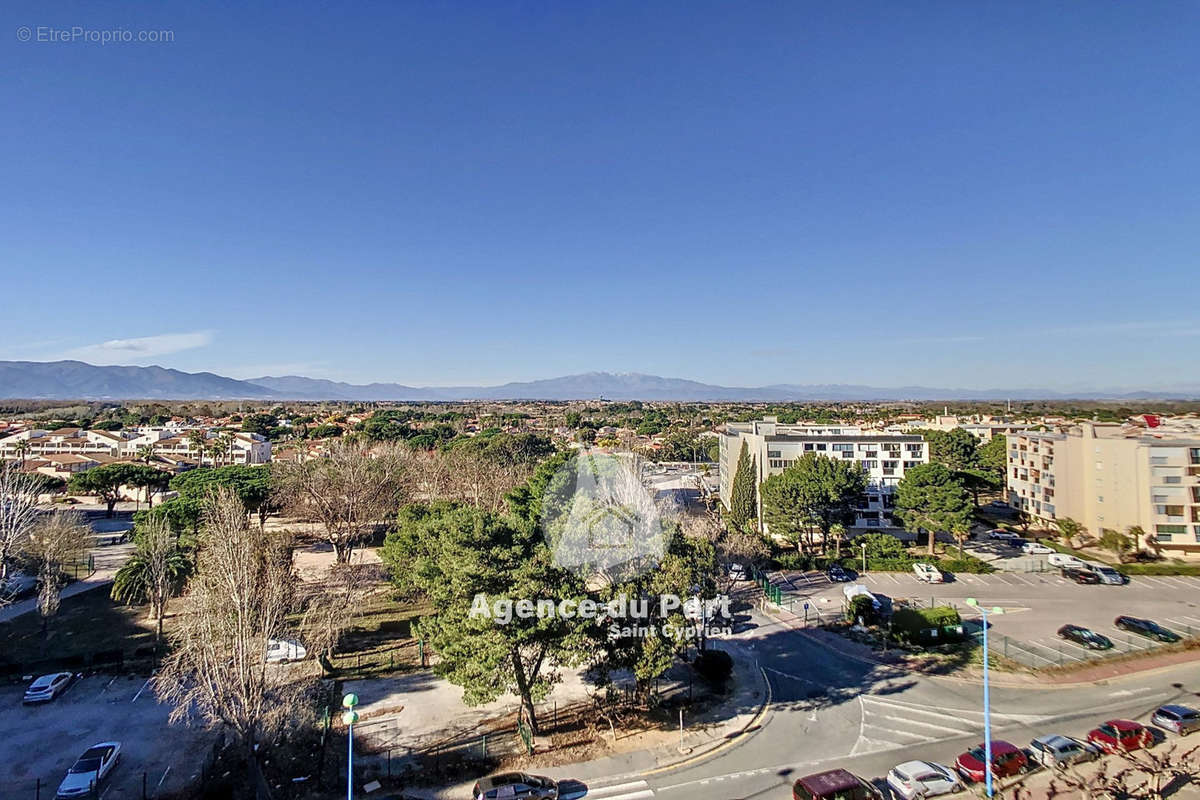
(1099, 498)
(1162, 537)
(1158, 461)
(808, 446)
(870, 464)
(1172, 479)
(1170, 529)
(913, 448)
(842, 447)
(911, 464)
(1170, 511)
(821, 446)
(774, 454)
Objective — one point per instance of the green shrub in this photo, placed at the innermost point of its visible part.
(1160, 569)
(915, 624)
(967, 564)
(793, 560)
(715, 666)
(862, 607)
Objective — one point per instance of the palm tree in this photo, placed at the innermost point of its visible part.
(961, 531)
(21, 448)
(1069, 529)
(196, 442)
(156, 572)
(227, 440)
(145, 453)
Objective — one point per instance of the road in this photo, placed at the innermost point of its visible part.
(831, 711)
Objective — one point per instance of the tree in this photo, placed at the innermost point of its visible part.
(251, 482)
(452, 554)
(961, 531)
(816, 491)
(18, 512)
(197, 444)
(977, 480)
(55, 541)
(157, 571)
(930, 497)
(149, 479)
(332, 604)
(1116, 542)
(1068, 529)
(105, 482)
(349, 492)
(993, 455)
(238, 601)
(743, 504)
(953, 449)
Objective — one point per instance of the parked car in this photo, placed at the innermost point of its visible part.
(914, 779)
(1106, 573)
(1177, 719)
(48, 687)
(89, 771)
(928, 572)
(1056, 752)
(1007, 759)
(859, 590)
(283, 651)
(1063, 560)
(837, 575)
(737, 572)
(1146, 627)
(515, 785)
(1016, 543)
(836, 784)
(1003, 535)
(1085, 637)
(1037, 549)
(1120, 734)
(1080, 575)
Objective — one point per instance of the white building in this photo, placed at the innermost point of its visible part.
(883, 456)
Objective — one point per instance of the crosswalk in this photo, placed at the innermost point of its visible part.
(889, 724)
(631, 790)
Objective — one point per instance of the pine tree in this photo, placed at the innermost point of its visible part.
(743, 506)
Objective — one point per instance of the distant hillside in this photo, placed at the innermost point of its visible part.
(68, 380)
(65, 380)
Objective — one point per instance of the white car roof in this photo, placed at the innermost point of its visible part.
(46, 680)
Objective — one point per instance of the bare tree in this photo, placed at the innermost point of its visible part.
(54, 541)
(18, 511)
(238, 600)
(349, 492)
(334, 603)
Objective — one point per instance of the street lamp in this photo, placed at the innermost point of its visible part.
(864, 552)
(987, 711)
(350, 717)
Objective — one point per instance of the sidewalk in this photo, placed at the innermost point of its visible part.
(107, 560)
(703, 734)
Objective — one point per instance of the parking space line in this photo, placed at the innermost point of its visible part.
(1016, 644)
(964, 578)
(1058, 651)
(945, 728)
(1153, 581)
(920, 737)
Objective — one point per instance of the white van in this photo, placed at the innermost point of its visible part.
(928, 572)
(1061, 560)
(858, 590)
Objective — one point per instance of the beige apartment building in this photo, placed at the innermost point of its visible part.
(1111, 476)
(884, 457)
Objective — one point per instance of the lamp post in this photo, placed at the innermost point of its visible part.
(987, 710)
(350, 717)
(864, 552)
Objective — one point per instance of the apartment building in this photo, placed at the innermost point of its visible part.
(243, 448)
(1111, 476)
(884, 456)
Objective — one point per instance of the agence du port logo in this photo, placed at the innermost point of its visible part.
(601, 522)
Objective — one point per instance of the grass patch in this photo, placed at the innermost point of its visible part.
(380, 640)
(89, 630)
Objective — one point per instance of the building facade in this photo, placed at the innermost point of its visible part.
(1111, 476)
(885, 457)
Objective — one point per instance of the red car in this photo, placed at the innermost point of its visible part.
(1120, 734)
(1007, 759)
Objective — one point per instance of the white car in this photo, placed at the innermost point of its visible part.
(1035, 549)
(1063, 560)
(89, 771)
(737, 572)
(927, 572)
(47, 687)
(283, 651)
(914, 779)
(1003, 535)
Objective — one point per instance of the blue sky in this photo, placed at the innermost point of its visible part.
(949, 194)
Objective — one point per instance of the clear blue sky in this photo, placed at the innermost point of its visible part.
(950, 194)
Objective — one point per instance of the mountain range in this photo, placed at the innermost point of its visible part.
(76, 380)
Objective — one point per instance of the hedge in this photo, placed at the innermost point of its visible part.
(912, 624)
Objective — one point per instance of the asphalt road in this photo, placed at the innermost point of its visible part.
(830, 711)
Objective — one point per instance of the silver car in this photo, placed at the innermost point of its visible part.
(47, 687)
(914, 779)
(89, 771)
(1056, 752)
(515, 785)
(1179, 720)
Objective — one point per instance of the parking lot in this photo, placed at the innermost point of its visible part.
(1034, 606)
(41, 742)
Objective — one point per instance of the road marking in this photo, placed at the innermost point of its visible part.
(163, 778)
(940, 711)
(634, 790)
(1131, 692)
(139, 691)
(1154, 581)
(946, 728)
(793, 677)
